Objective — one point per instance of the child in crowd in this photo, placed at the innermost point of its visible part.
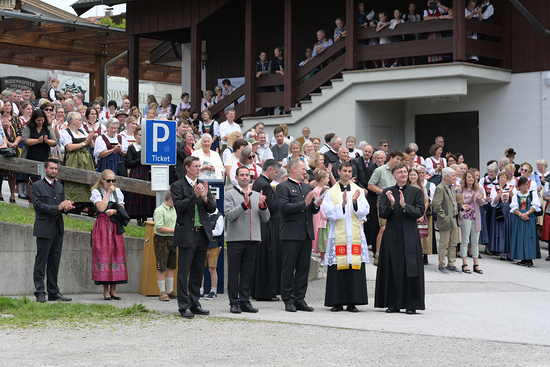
(383, 23)
(212, 254)
(165, 250)
(397, 18)
(374, 40)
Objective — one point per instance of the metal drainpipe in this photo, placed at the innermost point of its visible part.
(530, 17)
(105, 72)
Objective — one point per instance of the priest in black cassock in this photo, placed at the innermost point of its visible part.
(266, 275)
(400, 273)
(345, 206)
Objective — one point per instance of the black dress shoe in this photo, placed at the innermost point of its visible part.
(197, 310)
(247, 307)
(302, 306)
(548, 258)
(117, 298)
(235, 308)
(392, 310)
(411, 312)
(352, 308)
(337, 308)
(290, 307)
(41, 298)
(187, 314)
(59, 297)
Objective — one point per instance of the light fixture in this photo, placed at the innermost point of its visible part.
(204, 59)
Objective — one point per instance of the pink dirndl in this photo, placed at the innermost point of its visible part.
(108, 253)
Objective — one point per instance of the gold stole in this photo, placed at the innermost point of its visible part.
(340, 235)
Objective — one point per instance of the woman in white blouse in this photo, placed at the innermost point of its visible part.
(108, 248)
(524, 244)
(110, 148)
(131, 124)
(435, 164)
(211, 163)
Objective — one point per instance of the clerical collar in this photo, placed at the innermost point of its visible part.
(344, 188)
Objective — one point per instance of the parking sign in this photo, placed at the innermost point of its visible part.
(158, 142)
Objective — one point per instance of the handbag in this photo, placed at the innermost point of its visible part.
(499, 215)
(8, 152)
(122, 171)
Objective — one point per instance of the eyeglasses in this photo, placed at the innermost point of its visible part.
(385, 145)
(250, 157)
(48, 109)
(523, 170)
(109, 181)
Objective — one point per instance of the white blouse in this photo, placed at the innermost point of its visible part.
(100, 144)
(430, 168)
(535, 203)
(96, 197)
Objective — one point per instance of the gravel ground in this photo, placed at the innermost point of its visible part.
(171, 341)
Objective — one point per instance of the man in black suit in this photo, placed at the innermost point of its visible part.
(48, 199)
(343, 156)
(266, 275)
(361, 165)
(297, 205)
(331, 156)
(192, 234)
(373, 226)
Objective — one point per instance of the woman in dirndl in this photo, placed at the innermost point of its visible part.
(110, 149)
(434, 14)
(138, 206)
(77, 142)
(414, 180)
(525, 203)
(429, 243)
(502, 222)
(108, 249)
(320, 221)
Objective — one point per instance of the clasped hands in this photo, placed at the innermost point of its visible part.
(392, 198)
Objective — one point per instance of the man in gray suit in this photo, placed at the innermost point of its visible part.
(48, 199)
(244, 210)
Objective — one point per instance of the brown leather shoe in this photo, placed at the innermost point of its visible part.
(173, 295)
(163, 296)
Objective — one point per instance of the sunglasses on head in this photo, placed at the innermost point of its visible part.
(109, 181)
(48, 109)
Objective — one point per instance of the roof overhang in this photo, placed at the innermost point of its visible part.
(82, 6)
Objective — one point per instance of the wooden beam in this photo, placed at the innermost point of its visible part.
(290, 54)
(46, 63)
(425, 47)
(99, 74)
(79, 47)
(75, 175)
(351, 35)
(250, 52)
(196, 49)
(44, 29)
(459, 30)
(14, 24)
(133, 69)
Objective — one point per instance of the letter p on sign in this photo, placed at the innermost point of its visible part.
(156, 139)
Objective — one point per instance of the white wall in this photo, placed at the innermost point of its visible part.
(514, 115)
(388, 114)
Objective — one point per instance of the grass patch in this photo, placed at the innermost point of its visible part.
(22, 215)
(24, 312)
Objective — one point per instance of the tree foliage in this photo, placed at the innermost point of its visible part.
(110, 22)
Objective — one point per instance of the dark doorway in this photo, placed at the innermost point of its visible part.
(460, 131)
